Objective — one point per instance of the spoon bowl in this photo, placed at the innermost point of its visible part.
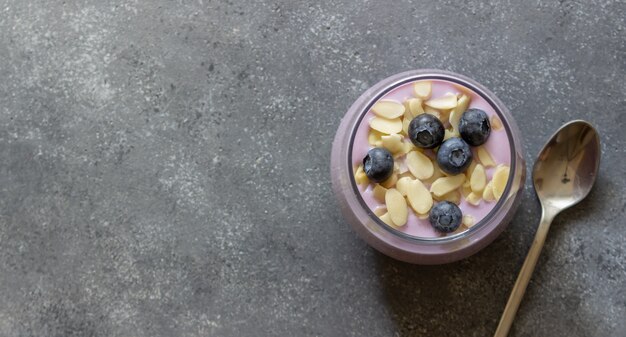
(563, 175)
(567, 166)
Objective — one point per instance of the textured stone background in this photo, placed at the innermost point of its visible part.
(164, 167)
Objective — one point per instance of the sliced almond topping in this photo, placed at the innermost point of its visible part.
(403, 185)
(379, 193)
(445, 185)
(360, 177)
(437, 173)
(466, 189)
(386, 218)
(386, 126)
(500, 178)
(373, 137)
(496, 123)
(408, 147)
(453, 197)
(391, 181)
(422, 216)
(473, 198)
(449, 134)
(444, 116)
(419, 165)
(462, 104)
(447, 101)
(455, 117)
(379, 143)
(396, 206)
(488, 192)
(414, 107)
(393, 143)
(470, 170)
(479, 179)
(406, 174)
(380, 210)
(433, 112)
(485, 157)
(422, 89)
(419, 197)
(388, 109)
(405, 126)
(468, 220)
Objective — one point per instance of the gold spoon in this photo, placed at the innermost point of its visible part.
(563, 175)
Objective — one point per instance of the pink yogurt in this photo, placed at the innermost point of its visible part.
(497, 145)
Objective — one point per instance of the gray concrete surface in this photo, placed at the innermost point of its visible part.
(164, 167)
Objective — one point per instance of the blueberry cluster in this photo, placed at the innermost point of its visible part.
(454, 157)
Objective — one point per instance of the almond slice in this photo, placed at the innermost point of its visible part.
(360, 177)
(468, 220)
(485, 157)
(423, 89)
(380, 210)
(391, 181)
(455, 117)
(419, 197)
(447, 101)
(407, 147)
(422, 216)
(496, 123)
(414, 106)
(388, 109)
(396, 207)
(433, 112)
(444, 116)
(470, 170)
(500, 178)
(403, 185)
(419, 165)
(488, 192)
(405, 126)
(437, 173)
(445, 185)
(462, 104)
(386, 126)
(449, 134)
(379, 193)
(466, 189)
(386, 218)
(373, 137)
(393, 143)
(479, 179)
(453, 197)
(379, 143)
(473, 198)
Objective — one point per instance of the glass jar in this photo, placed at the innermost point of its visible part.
(422, 250)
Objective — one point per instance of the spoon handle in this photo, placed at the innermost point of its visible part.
(524, 275)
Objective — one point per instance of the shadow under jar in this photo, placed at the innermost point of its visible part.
(417, 241)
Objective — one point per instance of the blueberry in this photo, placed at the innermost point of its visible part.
(454, 156)
(474, 127)
(378, 164)
(445, 216)
(426, 131)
